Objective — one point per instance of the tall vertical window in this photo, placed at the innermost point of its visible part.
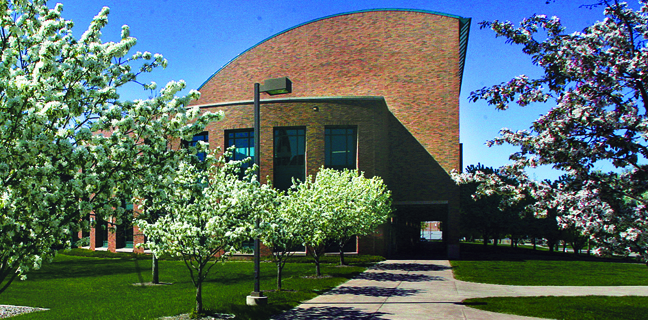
(243, 141)
(203, 136)
(340, 147)
(289, 156)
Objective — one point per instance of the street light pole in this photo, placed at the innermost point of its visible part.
(272, 87)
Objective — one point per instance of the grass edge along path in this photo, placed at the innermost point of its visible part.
(79, 287)
(507, 266)
(567, 308)
(525, 267)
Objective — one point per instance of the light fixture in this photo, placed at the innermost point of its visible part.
(276, 86)
(271, 87)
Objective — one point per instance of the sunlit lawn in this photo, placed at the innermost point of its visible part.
(568, 308)
(524, 267)
(75, 287)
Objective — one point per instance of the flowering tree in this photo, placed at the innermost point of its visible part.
(282, 233)
(69, 146)
(598, 81)
(209, 211)
(335, 206)
(359, 206)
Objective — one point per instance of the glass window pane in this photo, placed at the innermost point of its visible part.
(340, 147)
(289, 156)
(243, 140)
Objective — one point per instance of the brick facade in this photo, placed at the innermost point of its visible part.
(395, 75)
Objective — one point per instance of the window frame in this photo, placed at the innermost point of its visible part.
(328, 150)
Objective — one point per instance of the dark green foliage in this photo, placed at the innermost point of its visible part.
(484, 217)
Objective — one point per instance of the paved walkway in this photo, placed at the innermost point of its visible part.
(425, 289)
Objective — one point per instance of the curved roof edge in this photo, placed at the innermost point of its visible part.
(464, 29)
(295, 99)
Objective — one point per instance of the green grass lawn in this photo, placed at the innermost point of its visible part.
(568, 308)
(78, 287)
(520, 266)
(552, 272)
(524, 267)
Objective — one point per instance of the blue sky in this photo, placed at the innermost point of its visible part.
(199, 37)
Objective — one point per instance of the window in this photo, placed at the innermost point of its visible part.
(289, 156)
(340, 147)
(203, 136)
(124, 231)
(243, 140)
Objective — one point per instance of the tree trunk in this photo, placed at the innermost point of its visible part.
(342, 263)
(279, 275)
(317, 266)
(199, 303)
(155, 270)
(13, 276)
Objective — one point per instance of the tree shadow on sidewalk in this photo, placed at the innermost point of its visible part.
(329, 313)
(374, 291)
(409, 267)
(384, 276)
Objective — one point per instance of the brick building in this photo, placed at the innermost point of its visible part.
(376, 90)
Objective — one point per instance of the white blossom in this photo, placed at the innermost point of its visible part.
(597, 81)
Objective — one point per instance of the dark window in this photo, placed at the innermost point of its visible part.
(243, 140)
(289, 156)
(101, 233)
(124, 231)
(340, 147)
(203, 136)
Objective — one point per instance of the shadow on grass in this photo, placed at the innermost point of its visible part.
(329, 313)
(384, 276)
(374, 291)
(479, 252)
(89, 267)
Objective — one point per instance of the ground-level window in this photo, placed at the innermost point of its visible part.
(340, 147)
(101, 233)
(289, 156)
(203, 136)
(124, 231)
(243, 141)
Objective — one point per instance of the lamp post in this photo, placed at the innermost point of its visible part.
(271, 87)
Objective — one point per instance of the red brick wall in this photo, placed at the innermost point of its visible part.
(368, 114)
(410, 58)
(404, 69)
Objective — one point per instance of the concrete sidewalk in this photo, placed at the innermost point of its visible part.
(425, 289)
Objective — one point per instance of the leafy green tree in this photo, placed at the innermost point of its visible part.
(69, 145)
(480, 216)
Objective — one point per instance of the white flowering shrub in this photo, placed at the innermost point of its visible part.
(335, 206)
(597, 82)
(281, 232)
(209, 210)
(69, 146)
